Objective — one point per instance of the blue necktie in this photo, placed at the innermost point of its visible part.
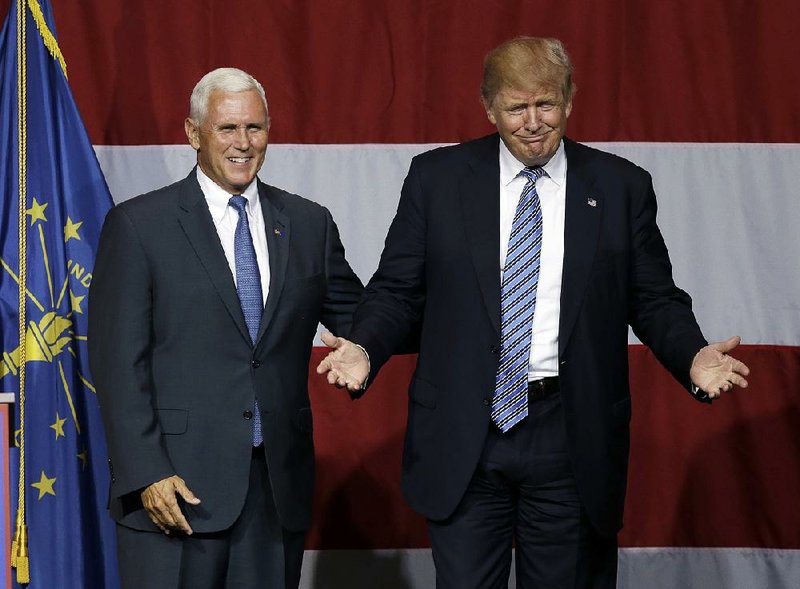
(517, 304)
(248, 286)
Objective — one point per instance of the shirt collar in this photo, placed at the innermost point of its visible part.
(217, 198)
(510, 167)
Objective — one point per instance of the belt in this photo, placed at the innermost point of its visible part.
(542, 387)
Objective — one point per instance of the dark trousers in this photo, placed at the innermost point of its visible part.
(523, 493)
(255, 552)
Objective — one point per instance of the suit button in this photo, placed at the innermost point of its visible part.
(487, 402)
(493, 349)
(255, 363)
(247, 414)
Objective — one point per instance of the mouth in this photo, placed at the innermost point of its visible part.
(533, 138)
(239, 161)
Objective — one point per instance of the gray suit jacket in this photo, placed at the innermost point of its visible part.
(175, 369)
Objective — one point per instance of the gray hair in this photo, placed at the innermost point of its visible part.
(225, 79)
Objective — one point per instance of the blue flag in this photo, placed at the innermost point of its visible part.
(71, 541)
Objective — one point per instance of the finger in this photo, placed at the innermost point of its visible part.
(739, 367)
(187, 495)
(727, 345)
(157, 522)
(155, 510)
(174, 517)
(737, 380)
(324, 366)
(328, 363)
(182, 524)
(353, 387)
(166, 513)
(330, 340)
(162, 519)
(332, 377)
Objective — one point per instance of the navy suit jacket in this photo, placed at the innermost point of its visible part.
(174, 366)
(440, 273)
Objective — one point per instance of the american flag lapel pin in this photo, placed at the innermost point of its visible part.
(277, 231)
(591, 202)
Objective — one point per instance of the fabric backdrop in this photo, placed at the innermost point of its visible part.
(702, 93)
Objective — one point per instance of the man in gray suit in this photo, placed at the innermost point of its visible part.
(204, 304)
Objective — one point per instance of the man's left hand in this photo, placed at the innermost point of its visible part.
(715, 372)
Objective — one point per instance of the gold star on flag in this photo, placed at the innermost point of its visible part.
(58, 426)
(45, 486)
(36, 212)
(83, 457)
(71, 230)
(75, 303)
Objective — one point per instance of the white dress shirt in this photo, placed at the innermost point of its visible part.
(225, 219)
(552, 191)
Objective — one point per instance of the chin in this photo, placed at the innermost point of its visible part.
(240, 182)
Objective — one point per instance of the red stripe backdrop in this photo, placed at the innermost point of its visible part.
(370, 71)
(724, 475)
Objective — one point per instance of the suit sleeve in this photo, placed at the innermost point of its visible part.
(343, 286)
(659, 312)
(120, 316)
(391, 309)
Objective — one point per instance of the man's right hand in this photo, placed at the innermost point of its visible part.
(346, 364)
(161, 502)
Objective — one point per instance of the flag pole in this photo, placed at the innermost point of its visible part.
(19, 547)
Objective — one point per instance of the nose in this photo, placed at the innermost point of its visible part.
(531, 118)
(241, 139)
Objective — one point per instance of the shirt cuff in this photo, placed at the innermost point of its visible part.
(700, 394)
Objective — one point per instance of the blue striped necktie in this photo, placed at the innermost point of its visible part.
(517, 304)
(248, 286)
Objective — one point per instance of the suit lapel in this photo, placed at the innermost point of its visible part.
(479, 191)
(584, 212)
(278, 229)
(195, 219)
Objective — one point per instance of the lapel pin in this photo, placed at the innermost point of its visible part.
(277, 232)
(591, 202)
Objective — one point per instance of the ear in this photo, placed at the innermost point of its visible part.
(489, 111)
(192, 133)
(568, 108)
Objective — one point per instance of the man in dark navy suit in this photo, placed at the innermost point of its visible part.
(522, 258)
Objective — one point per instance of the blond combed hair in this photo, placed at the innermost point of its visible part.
(527, 63)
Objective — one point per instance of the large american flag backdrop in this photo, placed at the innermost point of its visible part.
(702, 93)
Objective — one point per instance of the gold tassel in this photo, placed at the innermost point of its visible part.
(15, 542)
(23, 567)
(14, 552)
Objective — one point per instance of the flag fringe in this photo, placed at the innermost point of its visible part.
(47, 35)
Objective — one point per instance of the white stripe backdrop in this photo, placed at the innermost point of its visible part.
(639, 568)
(730, 214)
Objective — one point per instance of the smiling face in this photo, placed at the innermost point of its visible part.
(531, 123)
(232, 140)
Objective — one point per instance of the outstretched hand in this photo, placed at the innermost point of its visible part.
(346, 364)
(715, 372)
